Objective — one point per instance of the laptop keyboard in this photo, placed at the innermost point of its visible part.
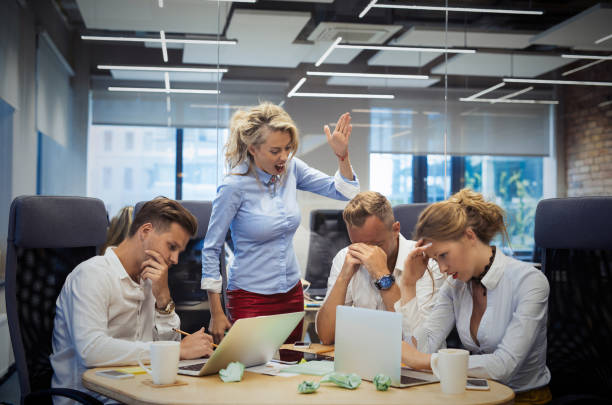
(412, 380)
(193, 367)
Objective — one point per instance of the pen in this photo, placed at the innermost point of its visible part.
(182, 332)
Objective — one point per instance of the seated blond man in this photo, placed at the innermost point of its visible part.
(366, 273)
(111, 307)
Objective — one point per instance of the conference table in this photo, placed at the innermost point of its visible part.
(259, 389)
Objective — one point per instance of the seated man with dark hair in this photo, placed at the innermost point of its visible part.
(112, 306)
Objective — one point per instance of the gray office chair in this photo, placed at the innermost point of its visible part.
(47, 238)
(576, 241)
(407, 215)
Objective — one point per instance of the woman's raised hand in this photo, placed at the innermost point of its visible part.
(339, 139)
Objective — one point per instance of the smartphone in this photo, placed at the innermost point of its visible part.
(477, 384)
(301, 344)
(114, 374)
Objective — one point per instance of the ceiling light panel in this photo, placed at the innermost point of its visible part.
(412, 59)
(423, 36)
(174, 76)
(498, 65)
(581, 31)
(380, 82)
(196, 17)
(458, 9)
(259, 40)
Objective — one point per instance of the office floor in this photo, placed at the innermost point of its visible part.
(9, 389)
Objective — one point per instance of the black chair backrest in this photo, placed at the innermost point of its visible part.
(328, 235)
(575, 235)
(407, 215)
(185, 277)
(47, 238)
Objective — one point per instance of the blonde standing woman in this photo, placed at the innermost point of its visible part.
(257, 201)
(498, 304)
(118, 228)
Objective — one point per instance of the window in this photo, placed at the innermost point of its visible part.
(203, 162)
(142, 172)
(108, 141)
(391, 175)
(129, 140)
(127, 178)
(513, 182)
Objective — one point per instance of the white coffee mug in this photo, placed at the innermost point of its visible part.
(450, 366)
(164, 361)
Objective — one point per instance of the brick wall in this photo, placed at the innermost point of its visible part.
(587, 124)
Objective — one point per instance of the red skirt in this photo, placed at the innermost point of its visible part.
(245, 304)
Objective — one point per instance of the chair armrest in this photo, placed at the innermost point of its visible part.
(37, 397)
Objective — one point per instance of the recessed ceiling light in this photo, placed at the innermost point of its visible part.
(369, 75)
(158, 40)
(345, 95)
(600, 40)
(511, 95)
(328, 51)
(588, 65)
(487, 90)
(571, 56)
(296, 87)
(162, 36)
(540, 81)
(511, 101)
(160, 90)
(163, 69)
(374, 4)
(406, 48)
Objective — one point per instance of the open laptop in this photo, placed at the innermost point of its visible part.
(251, 341)
(369, 342)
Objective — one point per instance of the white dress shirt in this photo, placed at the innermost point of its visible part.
(512, 332)
(363, 293)
(103, 318)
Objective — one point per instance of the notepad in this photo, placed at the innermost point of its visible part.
(314, 367)
(131, 370)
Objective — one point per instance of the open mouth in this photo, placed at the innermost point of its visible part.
(280, 168)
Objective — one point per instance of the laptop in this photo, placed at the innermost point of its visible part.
(251, 341)
(369, 342)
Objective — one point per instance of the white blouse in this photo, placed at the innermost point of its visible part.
(512, 332)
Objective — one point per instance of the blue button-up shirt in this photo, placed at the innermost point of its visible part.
(263, 216)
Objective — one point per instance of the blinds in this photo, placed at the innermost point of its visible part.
(53, 92)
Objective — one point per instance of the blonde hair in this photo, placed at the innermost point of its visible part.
(119, 227)
(365, 204)
(448, 220)
(252, 127)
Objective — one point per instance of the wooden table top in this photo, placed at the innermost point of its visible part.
(257, 389)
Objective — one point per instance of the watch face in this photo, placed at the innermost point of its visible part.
(385, 282)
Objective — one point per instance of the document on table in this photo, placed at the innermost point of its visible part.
(314, 367)
(271, 368)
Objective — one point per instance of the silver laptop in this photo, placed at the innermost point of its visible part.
(369, 342)
(251, 341)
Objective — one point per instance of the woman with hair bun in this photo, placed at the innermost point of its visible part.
(257, 201)
(498, 304)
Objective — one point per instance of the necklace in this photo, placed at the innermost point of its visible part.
(478, 279)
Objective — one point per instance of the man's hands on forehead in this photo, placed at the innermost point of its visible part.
(373, 258)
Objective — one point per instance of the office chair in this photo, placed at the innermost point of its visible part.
(47, 238)
(408, 215)
(575, 237)
(328, 235)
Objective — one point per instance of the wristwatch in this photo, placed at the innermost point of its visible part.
(385, 282)
(167, 310)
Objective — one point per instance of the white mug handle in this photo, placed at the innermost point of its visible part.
(434, 364)
(145, 368)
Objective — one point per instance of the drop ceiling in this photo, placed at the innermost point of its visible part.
(279, 40)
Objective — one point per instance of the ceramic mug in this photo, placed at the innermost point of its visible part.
(164, 361)
(450, 366)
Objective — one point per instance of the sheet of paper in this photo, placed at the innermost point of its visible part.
(271, 368)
